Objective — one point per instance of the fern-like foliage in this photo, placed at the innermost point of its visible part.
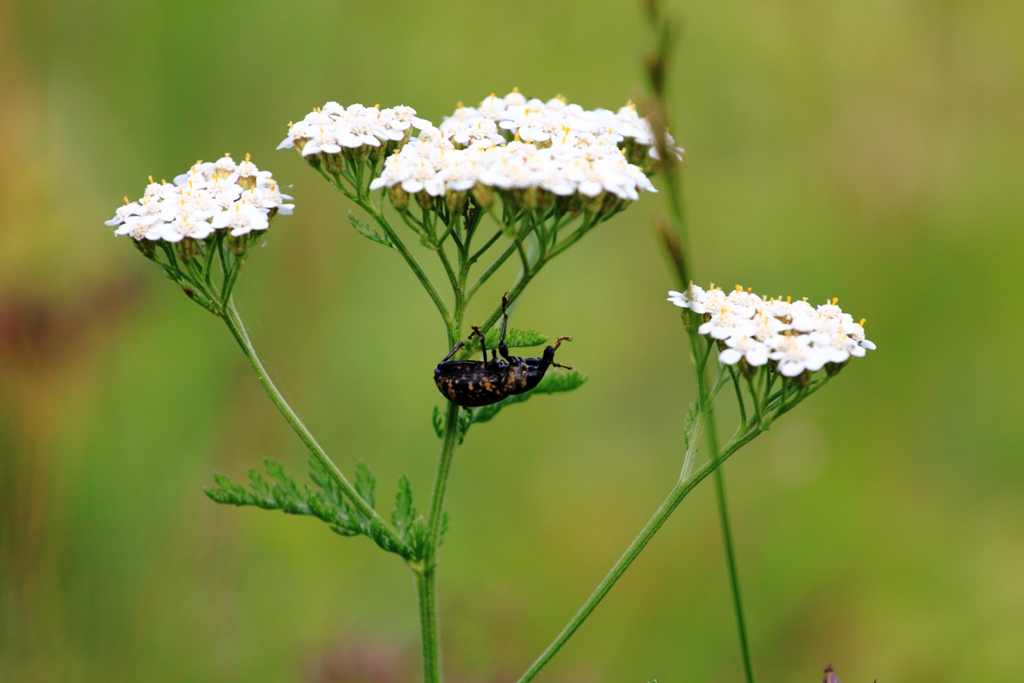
(514, 339)
(368, 232)
(325, 501)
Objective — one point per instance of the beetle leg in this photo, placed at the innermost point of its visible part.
(457, 347)
(504, 326)
(483, 344)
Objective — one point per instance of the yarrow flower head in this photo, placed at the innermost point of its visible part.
(211, 196)
(797, 338)
(530, 152)
(356, 131)
(207, 219)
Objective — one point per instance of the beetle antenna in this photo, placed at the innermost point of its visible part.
(558, 342)
(567, 367)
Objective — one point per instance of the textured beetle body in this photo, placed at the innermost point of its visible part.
(480, 383)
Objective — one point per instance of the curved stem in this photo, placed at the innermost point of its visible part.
(237, 327)
(675, 497)
(385, 225)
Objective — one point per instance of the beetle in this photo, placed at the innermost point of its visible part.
(483, 382)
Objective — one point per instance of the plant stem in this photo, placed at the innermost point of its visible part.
(706, 404)
(237, 327)
(730, 555)
(426, 591)
(675, 497)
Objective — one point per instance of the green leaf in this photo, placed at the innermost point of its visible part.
(368, 232)
(514, 338)
(465, 420)
(438, 421)
(325, 501)
(365, 481)
(405, 512)
(417, 539)
(691, 423)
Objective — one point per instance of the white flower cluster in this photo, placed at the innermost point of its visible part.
(332, 127)
(795, 335)
(519, 145)
(211, 196)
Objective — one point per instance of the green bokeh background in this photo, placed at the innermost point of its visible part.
(870, 151)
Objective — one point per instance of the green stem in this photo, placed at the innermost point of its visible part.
(426, 573)
(237, 327)
(385, 225)
(706, 406)
(444, 464)
(636, 547)
(426, 591)
(730, 554)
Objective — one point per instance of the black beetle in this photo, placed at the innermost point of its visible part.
(471, 383)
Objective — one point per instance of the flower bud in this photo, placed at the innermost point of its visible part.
(483, 195)
(239, 245)
(545, 200)
(188, 249)
(425, 200)
(147, 247)
(399, 197)
(833, 368)
(454, 200)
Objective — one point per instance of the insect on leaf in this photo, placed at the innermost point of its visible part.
(554, 382)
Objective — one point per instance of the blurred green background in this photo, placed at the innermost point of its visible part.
(870, 151)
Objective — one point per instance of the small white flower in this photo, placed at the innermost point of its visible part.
(186, 226)
(744, 346)
(794, 354)
(726, 323)
(241, 219)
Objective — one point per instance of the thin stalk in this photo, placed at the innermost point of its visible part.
(444, 464)
(367, 206)
(675, 497)
(385, 225)
(237, 327)
(730, 554)
(498, 262)
(487, 245)
(706, 405)
(426, 574)
(426, 591)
